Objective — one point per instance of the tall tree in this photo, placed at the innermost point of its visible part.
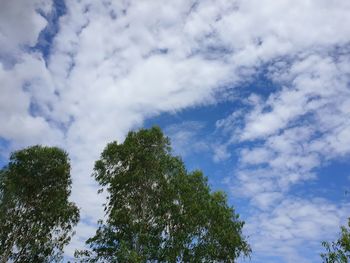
(36, 217)
(338, 251)
(157, 211)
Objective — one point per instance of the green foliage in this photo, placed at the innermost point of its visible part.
(157, 211)
(36, 218)
(338, 251)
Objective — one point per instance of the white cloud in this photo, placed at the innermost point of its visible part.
(20, 26)
(298, 225)
(265, 200)
(24, 105)
(186, 138)
(255, 156)
(295, 131)
(221, 152)
(300, 129)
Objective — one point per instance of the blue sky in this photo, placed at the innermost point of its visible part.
(253, 92)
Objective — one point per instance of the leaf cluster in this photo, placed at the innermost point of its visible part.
(157, 211)
(36, 218)
(339, 250)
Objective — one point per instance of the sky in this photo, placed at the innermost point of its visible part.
(256, 93)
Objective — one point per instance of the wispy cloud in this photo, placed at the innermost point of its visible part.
(187, 138)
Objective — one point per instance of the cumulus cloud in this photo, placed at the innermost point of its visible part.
(21, 24)
(296, 127)
(24, 102)
(299, 225)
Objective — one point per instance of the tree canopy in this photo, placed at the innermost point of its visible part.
(156, 211)
(339, 250)
(36, 217)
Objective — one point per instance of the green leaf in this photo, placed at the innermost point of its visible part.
(157, 211)
(36, 218)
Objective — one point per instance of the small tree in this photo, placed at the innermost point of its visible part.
(338, 251)
(36, 218)
(157, 211)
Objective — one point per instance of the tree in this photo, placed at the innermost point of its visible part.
(36, 218)
(338, 251)
(158, 212)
